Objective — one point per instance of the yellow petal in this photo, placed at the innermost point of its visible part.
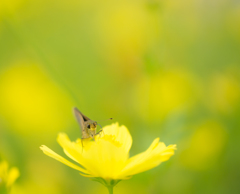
(168, 152)
(140, 157)
(121, 135)
(87, 175)
(74, 150)
(151, 158)
(12, 176)
(105, 157)
(54, 155)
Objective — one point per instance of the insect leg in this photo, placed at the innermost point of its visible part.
(100, 133)
(101, 129)
(82, 142)
(93, 138)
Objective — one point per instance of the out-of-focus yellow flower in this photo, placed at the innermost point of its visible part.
(204, 146)
(164, 93)
(30, 99)
(224, 93)
(125, 33)
(107, 159)
(7, 177)
(9, 7)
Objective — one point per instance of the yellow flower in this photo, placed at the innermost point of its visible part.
(7, 177)
(107, 158)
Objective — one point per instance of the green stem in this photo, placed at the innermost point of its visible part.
(110, 183)
(110, 189)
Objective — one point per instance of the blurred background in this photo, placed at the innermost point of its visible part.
(163, 68)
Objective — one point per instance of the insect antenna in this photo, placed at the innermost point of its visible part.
(101, 125)
(106, 119)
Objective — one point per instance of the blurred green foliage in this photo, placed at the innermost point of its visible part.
(162, 68)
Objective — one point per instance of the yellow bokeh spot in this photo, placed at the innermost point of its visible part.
(125, 27)
(225, 93)
(30, 101)
(7, 175)
(204, 146)
(8, 7)
(125, 30)
(162, 94)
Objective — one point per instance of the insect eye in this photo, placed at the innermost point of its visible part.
(88, 126)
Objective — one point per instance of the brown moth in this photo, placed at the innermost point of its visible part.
(88, 127)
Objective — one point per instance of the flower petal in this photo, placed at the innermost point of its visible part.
(102, 157)
(74, 150)
(121, 135)
(54, 155)
(140, 157)
(152, 157)
(105, 157)
(87, 175)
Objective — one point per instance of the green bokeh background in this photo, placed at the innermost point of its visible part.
(163, 68)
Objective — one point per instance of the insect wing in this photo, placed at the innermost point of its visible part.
(81, 119)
